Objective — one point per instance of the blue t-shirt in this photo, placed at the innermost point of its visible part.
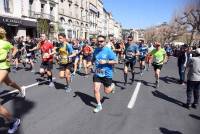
(168, 50)
(70, 48)
(143, 51)
(103, 70)
(133, 48)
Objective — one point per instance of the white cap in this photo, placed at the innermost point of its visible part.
(198, 51)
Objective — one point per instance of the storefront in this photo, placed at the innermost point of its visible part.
(18, 27)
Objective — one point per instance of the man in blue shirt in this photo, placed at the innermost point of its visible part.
(131, 51)
(143, 53)
(104, 59)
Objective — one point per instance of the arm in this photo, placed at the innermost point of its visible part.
(186, 59)
(36, 47)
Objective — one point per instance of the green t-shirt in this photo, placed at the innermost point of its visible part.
(158, 56)
(5, 48)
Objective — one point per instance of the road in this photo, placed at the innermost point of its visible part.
(52, 111)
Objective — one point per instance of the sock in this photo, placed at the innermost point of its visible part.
(50, 78)
(99, 104)
(125, 77)
(133, 76)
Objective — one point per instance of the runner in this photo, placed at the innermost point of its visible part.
(143, 53)
(104, 58)
(5, 48)
(131, 51)
(148, 57)
(65, 59)
(29, 54)
(19, 45)
(87, 57)
(47, 51)
(159, 56)
(169, 52)
(77, 49)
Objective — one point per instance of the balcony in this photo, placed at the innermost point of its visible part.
(70, 1)
(37, 15)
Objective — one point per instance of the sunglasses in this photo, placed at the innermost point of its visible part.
(101, 41)
(129, 40)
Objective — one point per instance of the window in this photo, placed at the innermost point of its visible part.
(8, 6)
(51, 10)
(42, 8)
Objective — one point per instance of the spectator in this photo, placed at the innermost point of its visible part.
(193, 80)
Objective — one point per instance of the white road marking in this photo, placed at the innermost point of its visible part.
(26, 87)
(134, 96)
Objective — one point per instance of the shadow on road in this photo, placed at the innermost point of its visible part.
(167, 131)
(148, 84)
(59, 86)
(194, 116)
(20, 107)
(118, 84)
(167, 98)
(87, 99)
(169, 80)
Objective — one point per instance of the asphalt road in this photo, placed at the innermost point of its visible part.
(52, 111)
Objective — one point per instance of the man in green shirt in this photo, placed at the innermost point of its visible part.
(159, 56)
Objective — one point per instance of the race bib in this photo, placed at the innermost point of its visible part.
(64, 60)
(100, 72)
(156, 60)
(45, 56)
(28, 54)
(129, 54)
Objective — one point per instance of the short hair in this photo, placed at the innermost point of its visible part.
(2, 33)
(130, 36)
(101, 36)
(62, 34)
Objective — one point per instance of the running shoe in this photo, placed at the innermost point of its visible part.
(14, 126)
(51, 84)
(98, 109)
(68, 89)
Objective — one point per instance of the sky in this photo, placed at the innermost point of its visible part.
(143, 13)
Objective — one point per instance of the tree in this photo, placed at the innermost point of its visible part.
(43, 26)
(191, 18)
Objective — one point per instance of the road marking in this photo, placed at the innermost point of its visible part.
(134, 96)
(26, 87)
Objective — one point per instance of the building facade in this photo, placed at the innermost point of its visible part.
(20, 18)
(76, 18)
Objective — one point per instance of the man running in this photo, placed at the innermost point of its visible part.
(169, 52)
(29, 54)
(5, 48)
(47, 51)
(131, 51)
(148, 57)
(65, 59)
(87, 57)
(159, 56)
(104, 59)
(143, 53)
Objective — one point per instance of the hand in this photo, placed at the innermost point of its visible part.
(102, 62)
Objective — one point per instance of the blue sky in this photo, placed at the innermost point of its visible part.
(143, 13)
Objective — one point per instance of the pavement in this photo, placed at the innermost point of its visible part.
(53, 111)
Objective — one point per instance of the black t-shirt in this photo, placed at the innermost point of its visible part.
(29, 45)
